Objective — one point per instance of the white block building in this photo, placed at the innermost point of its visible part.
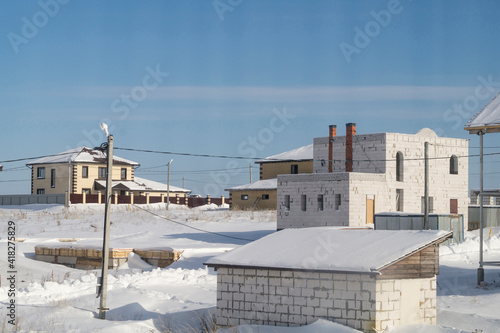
(293, 277)
(356, 176)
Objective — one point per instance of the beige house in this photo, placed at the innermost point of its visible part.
(83, 170)
(263, 193)
(258, 195)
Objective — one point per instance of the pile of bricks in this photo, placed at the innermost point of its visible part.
(91, 258)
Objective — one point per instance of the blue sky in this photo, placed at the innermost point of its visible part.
(205, 76)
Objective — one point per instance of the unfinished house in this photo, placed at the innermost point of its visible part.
(357, 175)
(295, 276)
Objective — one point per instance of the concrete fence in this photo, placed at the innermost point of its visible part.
(27, 199)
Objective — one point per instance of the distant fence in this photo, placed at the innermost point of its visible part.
(28, 199)
(147, 199)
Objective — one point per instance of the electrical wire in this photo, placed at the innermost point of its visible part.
(194, 228)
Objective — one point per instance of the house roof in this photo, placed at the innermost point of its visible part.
(266, 184)
(487, 118)
(330, 249)
(141, 184)
(299, 154)
(81, 154)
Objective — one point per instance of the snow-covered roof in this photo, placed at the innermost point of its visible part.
(81, 154)
(299, 154)
(488, 118)
(266, 184)
(141, 184)
(330, 249)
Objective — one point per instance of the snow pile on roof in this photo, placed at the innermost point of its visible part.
(299, 154)
(488, 116)
(81, 154)
(266, 184)
(142, 184)
(324, 248)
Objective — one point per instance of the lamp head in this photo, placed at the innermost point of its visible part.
(104, 127)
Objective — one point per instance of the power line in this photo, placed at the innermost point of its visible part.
(35, 157)
(194, 228)
(189, 154)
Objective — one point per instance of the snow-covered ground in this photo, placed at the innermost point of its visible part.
(141, 298)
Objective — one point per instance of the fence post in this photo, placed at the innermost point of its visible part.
(147, 198)
(131, 198)
(84, 198)
(99, 201)
(186, 201)
(209, 200)
(177, 199)
(222, 200)
(116, 197)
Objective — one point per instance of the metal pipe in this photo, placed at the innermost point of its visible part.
(426, 187)
(480, 270)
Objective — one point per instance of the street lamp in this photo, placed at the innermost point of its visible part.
(168, 183)
(102, 287)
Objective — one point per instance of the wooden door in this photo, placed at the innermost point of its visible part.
(370, 209)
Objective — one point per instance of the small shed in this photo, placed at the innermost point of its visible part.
(415, 221)
(365, 279)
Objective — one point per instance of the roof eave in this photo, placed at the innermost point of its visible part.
(486, 129)
(374, 272)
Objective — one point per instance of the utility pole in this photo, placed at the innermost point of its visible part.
(426, 190)
(480, 270)
(182, 182)
(250, 173)
(168, 183)
(105, 247)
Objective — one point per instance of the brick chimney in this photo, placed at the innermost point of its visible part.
(332, 134)
(350, 131)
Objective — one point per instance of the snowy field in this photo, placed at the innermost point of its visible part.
(181, 298)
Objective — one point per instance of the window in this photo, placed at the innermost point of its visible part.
(320, 202)
(338, 201)
(40, 172)
(303, 202)
(453, 206)
(287, 203)
(431, 205)
(453, 165)
(86, 190)
(244, 197)
(102, 172)
(124, 173)
(294, 169)
(265, 196)
(399, 200)
(85, 172)
(40, 191)
(52, 178)
(399, 166)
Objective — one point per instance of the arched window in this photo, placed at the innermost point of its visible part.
(453, 165)
(399, 166)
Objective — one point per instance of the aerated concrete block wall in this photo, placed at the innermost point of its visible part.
(293, 298)
(443, 186)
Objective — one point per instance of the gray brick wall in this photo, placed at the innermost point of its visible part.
(292, 298)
